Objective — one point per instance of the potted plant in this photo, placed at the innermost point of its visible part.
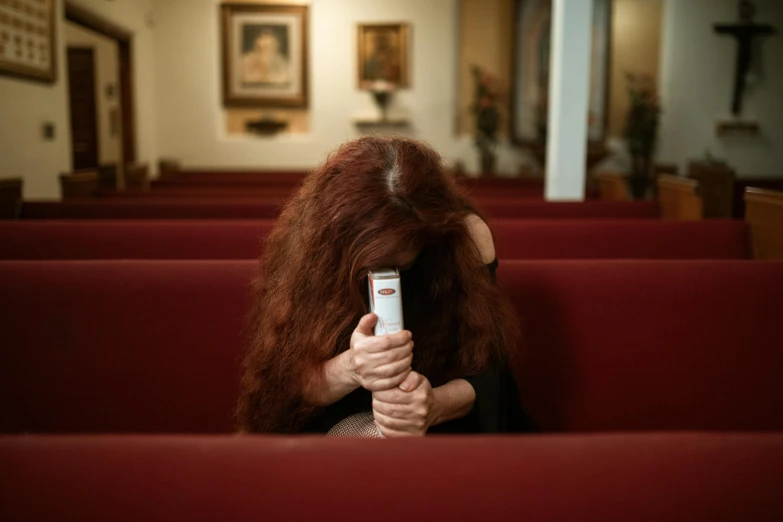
(486, 113)
(641, 131)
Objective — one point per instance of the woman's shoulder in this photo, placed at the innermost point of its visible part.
(482, 236)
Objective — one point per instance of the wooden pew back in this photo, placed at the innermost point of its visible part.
(680, 198)
(764, 213)
(79, 185)
(612, 186)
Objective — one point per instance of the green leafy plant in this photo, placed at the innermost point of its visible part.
(641, 124)
(485, 109)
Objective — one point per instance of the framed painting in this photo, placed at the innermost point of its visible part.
(383, 55)
(264, 55)
(530, 76)
(28, 46)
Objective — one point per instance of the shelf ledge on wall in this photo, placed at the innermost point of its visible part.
(371, 123)
(737, 128)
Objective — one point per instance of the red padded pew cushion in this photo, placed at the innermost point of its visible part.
(155, 346)
(608, 478)
(645, 345)
(243, 239)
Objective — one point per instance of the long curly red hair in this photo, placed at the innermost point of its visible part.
(372, 198)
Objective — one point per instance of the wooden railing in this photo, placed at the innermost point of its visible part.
(764, 213)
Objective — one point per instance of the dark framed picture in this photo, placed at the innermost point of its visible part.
(384, 54)
(530, 77)
(28, 39)
(264, 55)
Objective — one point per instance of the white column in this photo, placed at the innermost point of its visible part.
(569, 85)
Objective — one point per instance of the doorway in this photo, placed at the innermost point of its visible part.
(124, 40)
(83, 105)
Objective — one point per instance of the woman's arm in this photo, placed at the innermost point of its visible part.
(413, 407)
(453, 400)
(374, 363)
(335, 382)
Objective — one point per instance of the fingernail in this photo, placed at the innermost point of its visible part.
(405, 387)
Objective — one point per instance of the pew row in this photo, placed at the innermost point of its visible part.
(155, 346)
(764, 213)
(162, 190)
(240, 208)
(680, 198)
(687, 477)
(240, 239)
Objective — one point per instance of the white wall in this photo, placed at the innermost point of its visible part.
(106, 73)
(191, 124)
(697, 71)
(25, 106)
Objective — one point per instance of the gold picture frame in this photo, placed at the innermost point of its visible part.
(391, 63)
(265, 58)
(28, 39)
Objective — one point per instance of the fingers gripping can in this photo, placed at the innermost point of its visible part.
(386, 300)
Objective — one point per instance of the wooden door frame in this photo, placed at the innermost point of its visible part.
(124, 39)
(96, 126)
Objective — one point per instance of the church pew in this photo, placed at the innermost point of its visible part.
(740, 186)
(79, 184)
(241, 239)
(651, 477)
(155, 346)
(500, 208)
(612, 186)
(254, 208)
(280, 194)
(716, 184)
(226, 177)
(680, 198)
(764, 214)
(151, 208)
(159, 190)
(263, 180)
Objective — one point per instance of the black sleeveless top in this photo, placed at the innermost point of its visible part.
(497, 408)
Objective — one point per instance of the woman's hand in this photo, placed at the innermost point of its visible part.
(407, 410)
(382, 362)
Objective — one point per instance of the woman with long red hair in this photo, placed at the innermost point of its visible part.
(313, 361)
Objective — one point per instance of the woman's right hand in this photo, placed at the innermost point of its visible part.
(382, 362)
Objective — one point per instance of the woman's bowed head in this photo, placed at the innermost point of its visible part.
(376, 202)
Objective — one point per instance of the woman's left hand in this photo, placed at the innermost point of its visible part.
(406, 410)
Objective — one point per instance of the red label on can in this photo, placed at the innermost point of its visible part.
(386, 291)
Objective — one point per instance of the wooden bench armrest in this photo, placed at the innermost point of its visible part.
(680, 198)
(764, 214)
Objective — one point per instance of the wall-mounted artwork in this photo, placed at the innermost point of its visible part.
(28, 39)
(264, 55)
(383, 54)
(530, 77)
